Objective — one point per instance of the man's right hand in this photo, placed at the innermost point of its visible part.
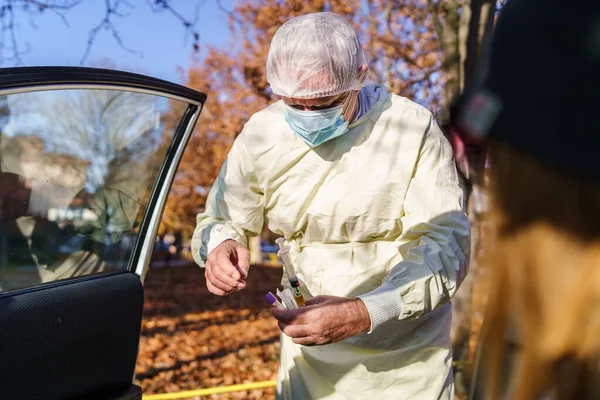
(227, 268)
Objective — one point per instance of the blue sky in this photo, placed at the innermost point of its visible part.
(159, 37)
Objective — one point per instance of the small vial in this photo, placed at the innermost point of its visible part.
(296, 291)
(270, 297)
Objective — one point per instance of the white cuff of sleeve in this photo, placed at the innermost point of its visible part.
(217, 236)
(383, 304)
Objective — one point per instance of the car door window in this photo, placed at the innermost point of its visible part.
(76, 171)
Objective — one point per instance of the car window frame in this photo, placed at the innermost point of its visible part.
(37, 79)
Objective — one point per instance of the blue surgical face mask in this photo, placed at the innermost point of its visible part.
(316, 127)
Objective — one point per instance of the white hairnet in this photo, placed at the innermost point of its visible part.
(315, 55)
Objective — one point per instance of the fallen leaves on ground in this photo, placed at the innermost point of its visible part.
(192, 339)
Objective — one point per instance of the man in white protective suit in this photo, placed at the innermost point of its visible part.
(363, 186)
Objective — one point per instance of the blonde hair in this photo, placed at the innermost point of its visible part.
(544, 261)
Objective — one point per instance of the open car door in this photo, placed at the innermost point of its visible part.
(87, 158)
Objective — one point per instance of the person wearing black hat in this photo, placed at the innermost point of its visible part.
(534, 112)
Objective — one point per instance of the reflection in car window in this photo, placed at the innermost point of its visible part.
(76, 169)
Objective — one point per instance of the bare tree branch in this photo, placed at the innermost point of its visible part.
(51, 5)
(423, 78)
(32, 22)
(231, 14)
(112, 9)
(8, 23)
(12, 10)
(164, 5)
(13, 37)
(56, 9)
(189, 25)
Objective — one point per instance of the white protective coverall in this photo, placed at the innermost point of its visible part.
(376, 213)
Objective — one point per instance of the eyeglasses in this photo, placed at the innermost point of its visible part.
(316, 104)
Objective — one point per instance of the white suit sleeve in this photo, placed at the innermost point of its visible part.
(234, 207)
(435, 242)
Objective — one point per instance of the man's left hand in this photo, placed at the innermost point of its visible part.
(324, 320)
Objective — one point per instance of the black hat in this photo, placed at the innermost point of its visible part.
(541, 92)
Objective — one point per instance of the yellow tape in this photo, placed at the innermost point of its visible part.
(233, 388)
(209, 391)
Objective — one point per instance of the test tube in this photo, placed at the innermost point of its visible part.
(270, 297)
(296, 291)
(287, 299)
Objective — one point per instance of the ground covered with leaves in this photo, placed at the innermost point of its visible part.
(192, 339)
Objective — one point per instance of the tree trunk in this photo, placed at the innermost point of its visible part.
(477, 26)
(464, 39)
(447, 22)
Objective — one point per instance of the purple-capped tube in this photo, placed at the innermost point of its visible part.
(270, 297)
